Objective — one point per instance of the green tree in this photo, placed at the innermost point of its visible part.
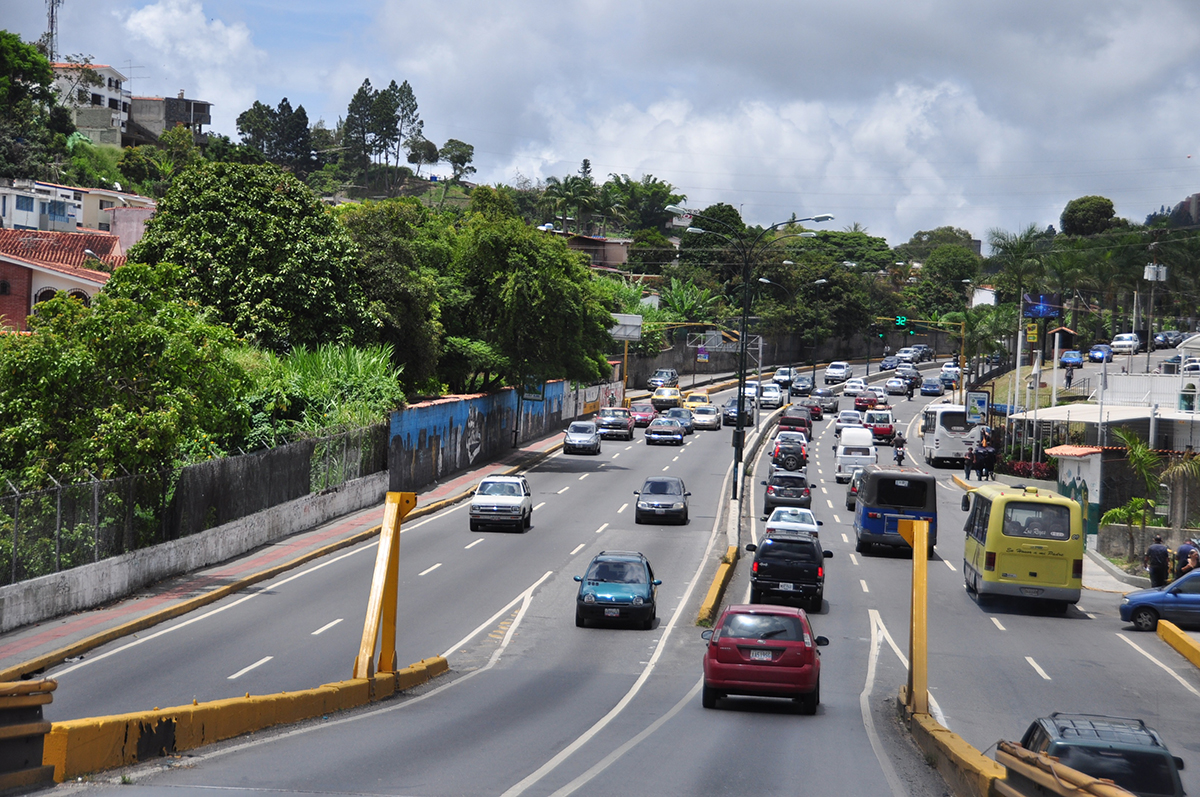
(1146, 465)
(923, 242)
(32, 132)
(291, 145)
(221, 148)
(256, 126)
(650, 252)
(1019, 258)
(942, 285)
(493, 203)
(357, 132)
(1087, 215)
(422, 151)
(645, 200)
(258, 247)
(459, 155)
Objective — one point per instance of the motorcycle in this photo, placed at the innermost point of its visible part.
(899, 454)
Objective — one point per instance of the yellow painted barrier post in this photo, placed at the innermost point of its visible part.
(381, 604)
(916, 533)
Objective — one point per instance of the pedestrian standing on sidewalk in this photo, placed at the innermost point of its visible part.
(1070, 376)
(1182, 553)
(968, 463)
(1157, 560)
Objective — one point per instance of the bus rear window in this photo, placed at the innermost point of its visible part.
(906, 493)
(954, 422)
(1037, 520)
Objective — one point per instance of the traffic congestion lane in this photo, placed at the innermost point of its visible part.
(445, 569)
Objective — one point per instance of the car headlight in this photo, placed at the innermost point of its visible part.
(677, 505)
(637, 601)
(643, 505)
(474, 507)
(589, 598)
(1124, 601)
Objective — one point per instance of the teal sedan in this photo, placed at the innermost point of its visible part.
(619, 585)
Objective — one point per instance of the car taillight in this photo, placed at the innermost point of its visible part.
(806, 491)
(771, 490)
(776, 452)
(754, 567)
(1077, 569)
(875, 515)
(989, 561)
(820, 571)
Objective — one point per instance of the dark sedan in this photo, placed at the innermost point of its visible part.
(888, 363)
(786, 489)
(729, 412)
(801, 386)
(684, 416)
(665, 430)
(662, 498)
(813, 405)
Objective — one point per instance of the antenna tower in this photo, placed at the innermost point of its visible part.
(52, 29)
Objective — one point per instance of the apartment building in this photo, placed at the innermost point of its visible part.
(101, 111)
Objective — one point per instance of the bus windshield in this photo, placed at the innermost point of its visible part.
(1037, 520)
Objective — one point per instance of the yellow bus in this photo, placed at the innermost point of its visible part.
(1023, 542)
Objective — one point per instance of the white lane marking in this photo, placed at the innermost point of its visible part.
(545, 769)
(628, 448)
(614, 456)
(820, 471)
(563, 490)
(539, 506)
(829, 502)
(825, 491)
(522, 598)
(1036, 668)
(472, 545)
(854, 560)
(668, 467)
(577, 549)
(837, 519)
(430, 569)
(245, 670)
(865, 588)
(326, 627)
(609, 759)
(845, 538)
(602, 464)
(1090, 616)
(996, 622)
(602, 528)
(676, 459)
(952, 567)
(1172, 673)
(623, 506)
(583, 476)
(864, 706)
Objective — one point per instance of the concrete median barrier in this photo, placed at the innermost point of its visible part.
(1176, 638)
(716, 591)
(968, 772)
(79, 747)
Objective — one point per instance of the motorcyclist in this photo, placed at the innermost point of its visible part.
(899, 454)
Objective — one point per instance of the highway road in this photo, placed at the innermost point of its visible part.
(537, 706)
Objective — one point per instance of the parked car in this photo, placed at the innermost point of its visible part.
(888, 363)
(790, 451)
(643, 413)
(852, 387)
(924, 351)
(783, 377)
(789, 566)
(730, 412)
(763, 651)
(1127, 343)
(666, 397)
(793, 519)
(582, 437)
(813, 405)
(896, 386)
(1178, 602)
(707, 417)
(827, 398)
(786, 488)
(663, 377)
(1120, 749)
(615, 422)
(1071, 359)
(684, 416)
(838, 372)
(665, 430)
(908, 355)
(932, 386)
(1168, 339)
(771, 396)
(502, 501)
(662, 498)
(802, 385)
(1100, 353)
(618, 585)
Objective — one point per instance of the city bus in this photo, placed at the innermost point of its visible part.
(887, 495)
(945, 433)
(1023, 542)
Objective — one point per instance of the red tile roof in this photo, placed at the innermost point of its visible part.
(64, 251)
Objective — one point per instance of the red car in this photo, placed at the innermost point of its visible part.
(643, 413)
(865, 401)
(763, 651)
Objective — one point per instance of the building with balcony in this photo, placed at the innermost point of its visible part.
(153, 116)
(101, 112)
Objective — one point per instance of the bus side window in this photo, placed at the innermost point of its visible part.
(977, 522)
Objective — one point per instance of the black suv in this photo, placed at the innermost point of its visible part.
(789, 565)
(1123, 750)
(663, 377)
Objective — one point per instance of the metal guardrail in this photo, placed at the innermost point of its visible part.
(1033, 774)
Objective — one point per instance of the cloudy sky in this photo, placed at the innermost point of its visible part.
(896, 116)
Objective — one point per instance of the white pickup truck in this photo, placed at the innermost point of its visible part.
(856, 449)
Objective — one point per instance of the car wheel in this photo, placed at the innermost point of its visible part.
(474, 526)
(529, 519)
(809, 702)
(579, 621)
(816, 603)
(861, 546)
(1145, 619)
(648, 623)
(755, 595)
(637, 519)
(709, 697)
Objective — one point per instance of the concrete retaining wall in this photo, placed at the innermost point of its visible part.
(968, 772)
(100, 582)
(79, 747)
(1176, 638)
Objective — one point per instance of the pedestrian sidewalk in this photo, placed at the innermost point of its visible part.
(33, 648)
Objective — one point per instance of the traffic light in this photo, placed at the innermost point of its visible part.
(901, 322)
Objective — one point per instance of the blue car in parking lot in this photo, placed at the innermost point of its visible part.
(1100, 353)
(1071, 359)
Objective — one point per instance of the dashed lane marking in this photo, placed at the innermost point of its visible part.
(854, 560)
(997, 623)
(845, 538)
(563, 490)
(577, 549)
(472, 545)
(829, 502)
(602, 528)
(947, 563)
(1036, 668)
(583, 476)
(430, 569)
(326, 627)
(623, 507)
(863, 582)
(245, 670)
(539, 506)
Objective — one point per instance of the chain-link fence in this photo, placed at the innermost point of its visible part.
(68, 525)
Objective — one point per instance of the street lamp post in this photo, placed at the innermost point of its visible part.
(813, 353)
(746, 250)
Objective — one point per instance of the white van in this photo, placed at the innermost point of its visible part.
(856, 449)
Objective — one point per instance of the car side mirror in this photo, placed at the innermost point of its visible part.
(764, 483)
(820, 522)
(657, 582)
(828, 554)
(579, 578)
(822, 641)
(751, 547)
(685, 495)
(637, 492)
(1178, 762)
(966, 503)
(706, 634)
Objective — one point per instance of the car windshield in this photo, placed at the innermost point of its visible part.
(792, 550)
(642, 408)
(662, 487)
(498, 488)
(791, 515)
(788, 481)
(761, 626)
(849, 417)
(791, 437)
(879, 417)
(705, 411)
(614, 413)
(617, 572)
(581, 428)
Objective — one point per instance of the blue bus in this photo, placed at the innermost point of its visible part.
(888, 495)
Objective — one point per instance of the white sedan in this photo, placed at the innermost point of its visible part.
(896, 387)
(853, 387)
(793, 518)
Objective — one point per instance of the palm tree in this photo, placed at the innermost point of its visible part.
(1145, 464)
(1020, 256)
